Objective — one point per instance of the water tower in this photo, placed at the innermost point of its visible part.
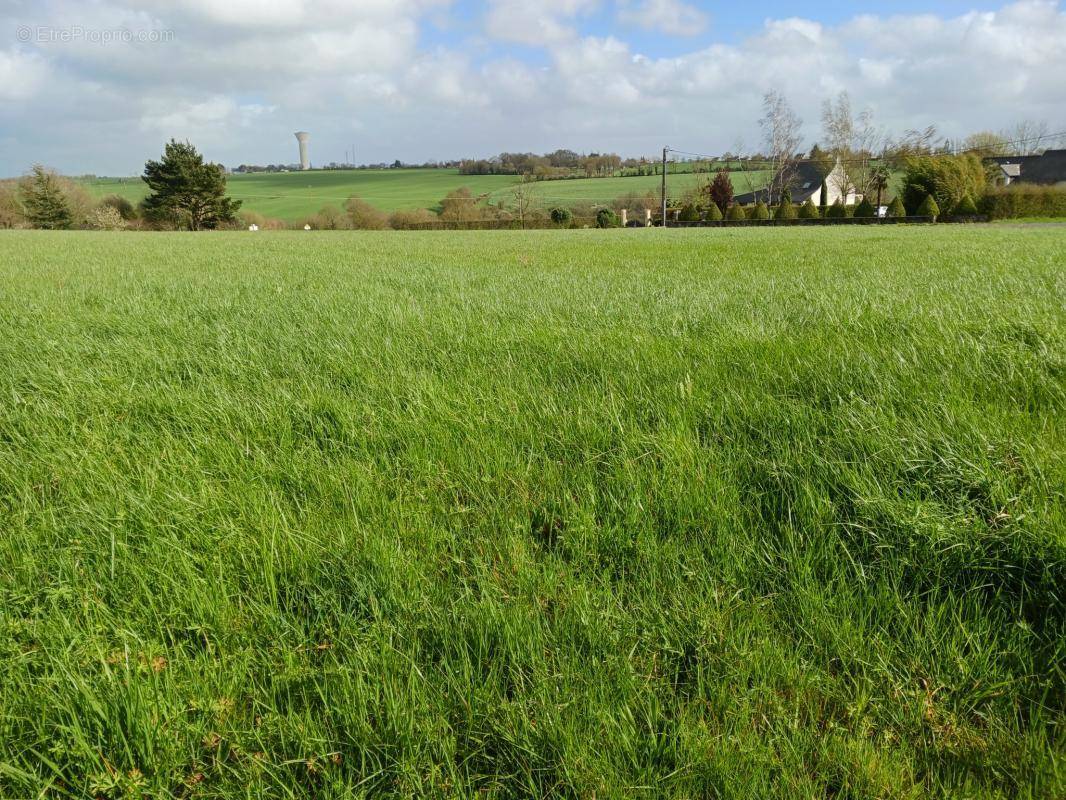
(302, 137)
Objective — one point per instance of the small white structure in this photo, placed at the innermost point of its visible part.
(625, 218)
(307, 227)
(253, 227)
(647, 217)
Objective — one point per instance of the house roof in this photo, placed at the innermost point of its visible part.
(803, 181)
(1050, 167)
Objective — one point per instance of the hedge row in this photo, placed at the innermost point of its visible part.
(1024, 200)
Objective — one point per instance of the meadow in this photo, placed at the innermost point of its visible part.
(293, 196)
(744, 513)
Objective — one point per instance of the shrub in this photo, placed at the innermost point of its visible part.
(714, 214)
(965, 208)
(329, 218)
(606, 218)
(809, 211)
(561, 216)
(837, 211)
(721, 190)
(929, 207)
(736, 213)
(689, 213)
(106, 218)
(759, 211)
(896, 209)
(255, 218)
(11, 215)
(412, 219)
(865, 210)
(460, 206)
(785, 211)
(1024, 200)
(365, 217)
(123, 206)
(947, 178)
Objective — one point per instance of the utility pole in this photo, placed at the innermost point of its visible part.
(666, 151)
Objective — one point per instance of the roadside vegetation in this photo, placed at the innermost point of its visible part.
(533, 514)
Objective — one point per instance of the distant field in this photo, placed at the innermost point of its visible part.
(294, 195)
(605, 190)
(758, 513)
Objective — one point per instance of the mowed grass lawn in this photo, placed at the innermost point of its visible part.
(716, 513)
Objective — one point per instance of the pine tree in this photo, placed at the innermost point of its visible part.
(714, 214)
(187, 191)
(736, 213)
(809, 211)
(44, 202)
(896, 208)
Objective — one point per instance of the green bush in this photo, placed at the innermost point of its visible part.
(947, 178)
(836, 211)
(965, 207)
(1024, 200)
(605, 218)
(364, 216)
(736, 213)
(865, 210)
(714, 214)
(809, 211)
(123, 206)
(896, 209)
(929, 207)
(689, 213)
(759, 211)
(785, 210)
(561, 216)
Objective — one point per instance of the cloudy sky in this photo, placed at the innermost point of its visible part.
(97, 86)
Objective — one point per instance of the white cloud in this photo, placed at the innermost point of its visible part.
(542, 22)
(668, 16)
(238, 85)
(21, 75)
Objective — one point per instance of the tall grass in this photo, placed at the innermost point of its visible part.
(757, 513)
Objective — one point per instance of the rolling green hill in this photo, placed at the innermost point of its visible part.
(293, 195)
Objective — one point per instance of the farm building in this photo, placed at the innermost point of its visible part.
(1048, 168)
(804, 182)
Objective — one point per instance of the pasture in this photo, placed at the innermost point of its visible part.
(735, 513)
(292, 196)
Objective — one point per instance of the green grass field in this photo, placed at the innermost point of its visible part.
(291, 196)
(753, 513)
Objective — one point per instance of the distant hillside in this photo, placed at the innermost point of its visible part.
(292, 196)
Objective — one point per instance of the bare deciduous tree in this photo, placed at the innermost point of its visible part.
(781, 131)
(1028, 138)
(855, 141)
